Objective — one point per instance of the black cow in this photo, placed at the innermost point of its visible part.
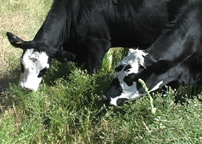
(84, 30)
(174, 59)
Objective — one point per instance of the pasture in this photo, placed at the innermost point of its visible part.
(68, 108)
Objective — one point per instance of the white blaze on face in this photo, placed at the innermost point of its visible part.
(134, 59)
(33, 63)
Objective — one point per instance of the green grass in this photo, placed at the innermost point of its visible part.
(68, 108)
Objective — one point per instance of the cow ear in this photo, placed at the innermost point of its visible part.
(64, 56)
(19, 43)
(15, 40)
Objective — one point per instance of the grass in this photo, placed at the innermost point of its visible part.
(68, 108)
(24, 19)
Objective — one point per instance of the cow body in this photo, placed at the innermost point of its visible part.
(84, 30)
(174, 59)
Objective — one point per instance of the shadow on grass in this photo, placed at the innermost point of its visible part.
(7, 100)
(185, 93)
(59, 70)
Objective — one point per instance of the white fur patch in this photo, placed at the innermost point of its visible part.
(33, 63)
(156, 86)
(135, 58)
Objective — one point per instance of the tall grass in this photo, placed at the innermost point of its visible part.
(68, 108)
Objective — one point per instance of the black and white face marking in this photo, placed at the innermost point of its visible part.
(33, 66)
(129, 65)
(35, 61)
(125, 85)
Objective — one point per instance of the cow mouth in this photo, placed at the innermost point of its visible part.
(120, 101)
(27, 89)
(107, 101)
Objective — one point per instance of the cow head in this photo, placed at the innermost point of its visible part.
(137, 65)
(36, 60)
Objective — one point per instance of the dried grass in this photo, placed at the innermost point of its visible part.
(15, 17)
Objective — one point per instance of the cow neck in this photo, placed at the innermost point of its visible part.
(174, 45)
(182, 38)
(53, 32)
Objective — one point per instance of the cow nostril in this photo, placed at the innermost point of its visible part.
(104, 98)
(120, 101)
(26, 89)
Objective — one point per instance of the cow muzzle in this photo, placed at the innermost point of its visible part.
(27, 88)
(113, 101)
(106, 99)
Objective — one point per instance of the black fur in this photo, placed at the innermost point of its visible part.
(87, 29)
(177, 53)
(176, 56)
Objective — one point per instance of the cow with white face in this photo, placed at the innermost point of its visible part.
(174, 59)
(156, 73)
(34, 65)
(125, 85)
(36, 60)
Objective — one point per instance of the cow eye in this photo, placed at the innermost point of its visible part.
(129, 80)
(142, 67)
(119, 68)
(33, 59)
(127, 68)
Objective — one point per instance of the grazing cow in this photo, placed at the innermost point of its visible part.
(84, 30)
(174, 59)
